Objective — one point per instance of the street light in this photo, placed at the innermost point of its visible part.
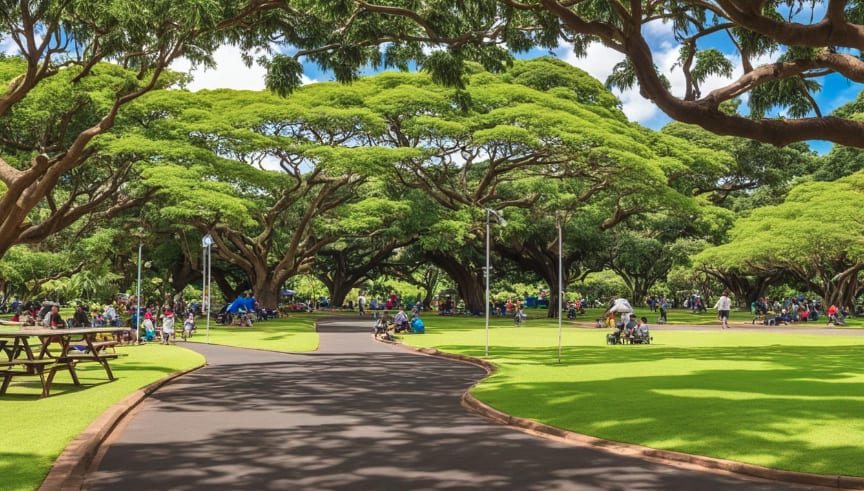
(138, 297)
(490, 212)
(207, 243)
(560, 284)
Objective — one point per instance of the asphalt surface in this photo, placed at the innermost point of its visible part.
(356, 415)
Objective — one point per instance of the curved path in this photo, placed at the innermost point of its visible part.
(355, 415)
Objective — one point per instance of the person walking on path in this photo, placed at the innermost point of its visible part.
(167, 326)
(724, 306)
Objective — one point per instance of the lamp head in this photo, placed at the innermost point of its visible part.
(497, 215)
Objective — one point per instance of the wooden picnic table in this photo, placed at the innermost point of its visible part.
(57, 349)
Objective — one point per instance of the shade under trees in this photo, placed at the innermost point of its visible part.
(816, 237)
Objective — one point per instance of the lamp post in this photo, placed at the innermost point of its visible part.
(207, 244)
(502, 222)
(138, 298)
(560, 285)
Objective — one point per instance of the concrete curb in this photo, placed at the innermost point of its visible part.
(70, 468)
(708, 464)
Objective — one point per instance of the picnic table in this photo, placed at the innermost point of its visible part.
(57, 349)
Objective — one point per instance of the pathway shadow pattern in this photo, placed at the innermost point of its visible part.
(357, 415)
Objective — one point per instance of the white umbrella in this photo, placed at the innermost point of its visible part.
(621, 305)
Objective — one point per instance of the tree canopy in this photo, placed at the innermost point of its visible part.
(816, 236)
(787, 48)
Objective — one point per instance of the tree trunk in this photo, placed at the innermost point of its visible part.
(745, 289)
(267, 290)
(338, 293)
(470, 285)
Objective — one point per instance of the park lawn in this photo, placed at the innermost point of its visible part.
(43, 427)
(688, 318)
(295, 333)
(786, 401)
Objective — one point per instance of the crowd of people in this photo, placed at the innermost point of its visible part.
(796, 309)
(155, 319)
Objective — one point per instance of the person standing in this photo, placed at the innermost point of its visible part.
(361, 304)
(664, 305)
(724, 306)
(167, 326)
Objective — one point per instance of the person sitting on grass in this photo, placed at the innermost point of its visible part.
(401, 320)
(382, 324)
(52, 319)
(79, 318)
(642, 328)
(629, 329)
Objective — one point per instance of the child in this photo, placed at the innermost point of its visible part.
(519, 317)
(149, 329)
(642, 328)
(188, 326)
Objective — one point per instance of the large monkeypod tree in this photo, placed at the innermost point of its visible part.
(814, 236)
(266, 177)
(788, 51)
(551, 142)
(59, 94)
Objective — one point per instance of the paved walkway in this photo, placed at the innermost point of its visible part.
(356, 415)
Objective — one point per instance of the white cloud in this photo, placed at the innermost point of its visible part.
(230, 72)
(9, 48)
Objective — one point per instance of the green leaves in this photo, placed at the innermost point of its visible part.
(283, 75)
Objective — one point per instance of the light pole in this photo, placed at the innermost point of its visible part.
(502, 222)
(560, 285)
(207, 243)
(138, 298)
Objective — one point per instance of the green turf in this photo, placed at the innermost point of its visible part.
(787, 401)
(686, 317)
(291, 334)
(43, 427)
(35, 431)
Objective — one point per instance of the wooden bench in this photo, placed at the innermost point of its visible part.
(97, 345)
(18, 368)
(74, 357)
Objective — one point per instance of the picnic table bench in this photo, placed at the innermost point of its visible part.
(75, 346)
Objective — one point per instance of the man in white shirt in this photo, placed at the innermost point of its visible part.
(724, 306)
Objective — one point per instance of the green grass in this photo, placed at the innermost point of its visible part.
(43, 427)
(35, 431)
(290, 334)
(787, 401)
(685, 317)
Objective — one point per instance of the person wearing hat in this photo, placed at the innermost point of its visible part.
(724, 306)
(167, 326)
